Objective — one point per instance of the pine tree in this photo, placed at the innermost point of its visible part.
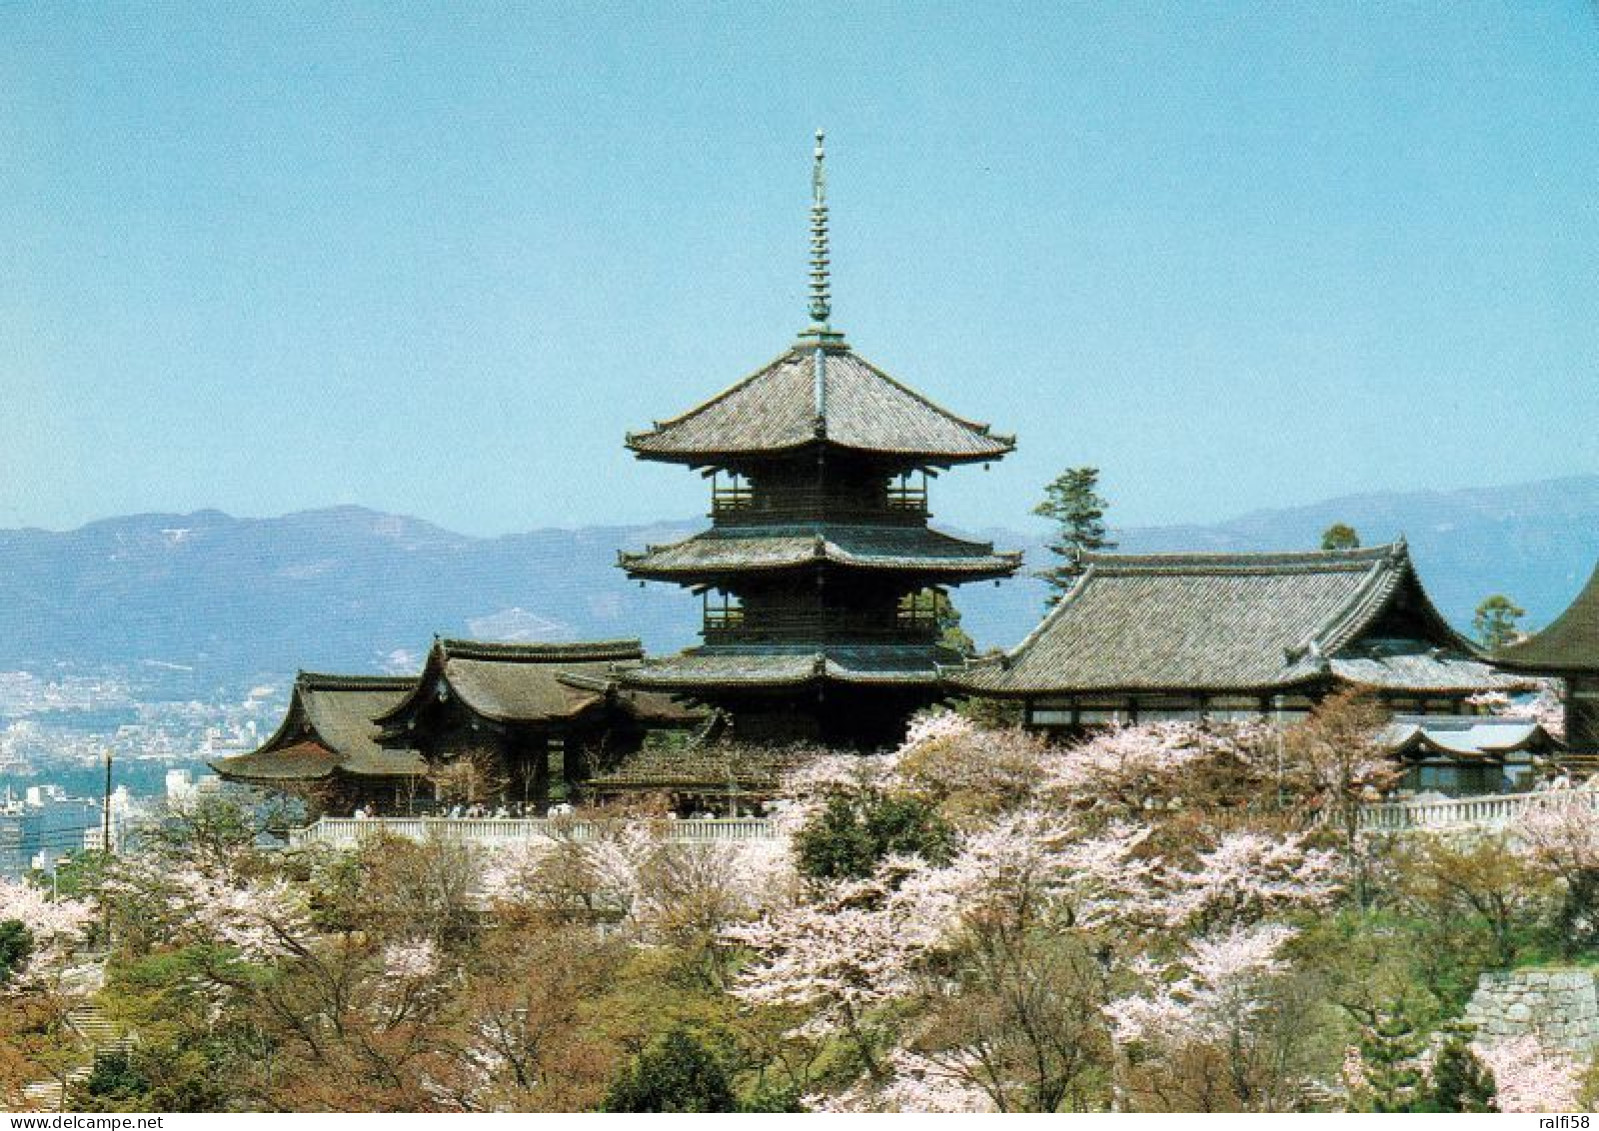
(675, 1073)
(1461, 1082)
(1390, 1050)
(1495, 621)
(1074, 503)
(1340, 536)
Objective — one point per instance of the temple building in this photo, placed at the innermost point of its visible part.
(326, 750)
(820, 576)
(1457, 755)
(491, 723)
(1568, 649)
(521, 722)
(1230, 636)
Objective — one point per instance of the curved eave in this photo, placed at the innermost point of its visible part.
(960, 680)
(993, 568)
(1558, 649)
(639, 444)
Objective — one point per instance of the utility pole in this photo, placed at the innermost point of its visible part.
(105, 816)
(105, 850)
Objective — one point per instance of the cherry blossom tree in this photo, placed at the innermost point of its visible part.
(1531, 1076)
(57, 925)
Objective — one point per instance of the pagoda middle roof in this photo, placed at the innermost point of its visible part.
(1569, 644)
(790, 546)
(812, 394)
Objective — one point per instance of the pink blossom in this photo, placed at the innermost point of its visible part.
(55, 924)
(410, 961)
(1531, 1076)
(1249, 875)
(1215, 990)
(917, 1084)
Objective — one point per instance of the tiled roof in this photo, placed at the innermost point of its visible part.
(776, 666)
(1240, 622)
(1570, 644)
(752, 769)
(1421, 736)
(530, 683)
(859, 407)
(784, 547)
(329, 726)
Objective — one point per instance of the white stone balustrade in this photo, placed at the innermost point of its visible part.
(1487, 812)
(347, 832)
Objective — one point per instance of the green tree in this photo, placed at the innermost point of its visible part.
(850, 835)
(115, 1084)
(1073, 502)
(948, 620)
(675, 1073)
(1390, 1050)
(1461, 1082)
(1340, 536)
(1495, 621)
(16, 947)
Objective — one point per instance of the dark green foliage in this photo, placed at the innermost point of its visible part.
(675, 1073)
(1390, 1047)
(1073, 502)
(115, 1084)
(1495, 621)
(1461, 1082)
(848, 837)
(1340, 536)
(16, 947)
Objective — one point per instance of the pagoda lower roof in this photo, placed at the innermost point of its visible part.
(900, 548)
(812, 395)
(707, 669)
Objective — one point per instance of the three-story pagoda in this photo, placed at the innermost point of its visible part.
(821, 579)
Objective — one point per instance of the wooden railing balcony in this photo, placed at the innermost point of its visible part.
(726, 626)
(734, 505)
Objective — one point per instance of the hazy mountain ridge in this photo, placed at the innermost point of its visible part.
(347, 588)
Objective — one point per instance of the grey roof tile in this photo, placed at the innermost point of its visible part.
(1569, 644)
(775, 409)
(1238, 622)
(790, 546)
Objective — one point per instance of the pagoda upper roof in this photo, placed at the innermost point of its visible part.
(814, 394)
(528, 683)
(329, 728)
(791, 546)
(1241, 622)
(1569, 644)
(771, 666)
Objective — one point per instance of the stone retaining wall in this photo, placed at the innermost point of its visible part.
(1561, 1006)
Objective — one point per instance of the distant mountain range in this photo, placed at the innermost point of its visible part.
(225, 600)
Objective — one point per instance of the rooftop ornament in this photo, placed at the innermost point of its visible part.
(820, 330)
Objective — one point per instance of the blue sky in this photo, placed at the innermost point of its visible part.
(438, 259)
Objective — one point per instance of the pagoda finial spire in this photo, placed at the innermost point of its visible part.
(821, 286)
